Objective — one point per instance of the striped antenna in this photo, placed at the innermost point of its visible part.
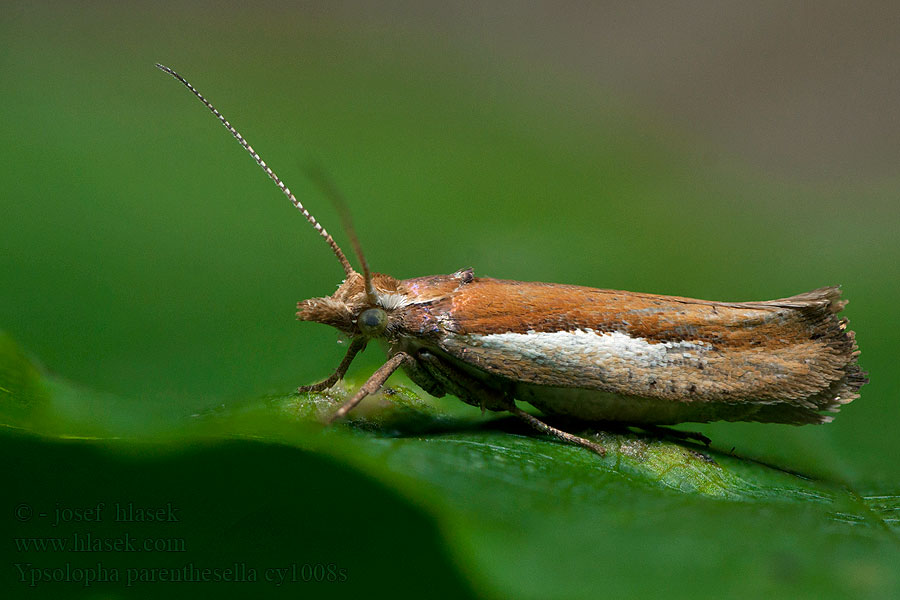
(348, 270)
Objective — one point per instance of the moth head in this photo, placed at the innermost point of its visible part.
(351, 308)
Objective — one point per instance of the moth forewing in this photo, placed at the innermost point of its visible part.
(589, 354)
(658, 359)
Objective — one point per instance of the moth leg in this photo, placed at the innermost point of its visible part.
(557, 433)
(355, 347)
(423, 378)
(675, 433)
(472, 392)
(372, 384)
(462, 385)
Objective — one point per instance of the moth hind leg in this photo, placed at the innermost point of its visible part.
(660, 431)
(471, 391)
(558, 433)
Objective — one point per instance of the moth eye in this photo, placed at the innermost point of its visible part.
(372, 321)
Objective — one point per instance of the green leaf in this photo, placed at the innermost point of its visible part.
(520, 514)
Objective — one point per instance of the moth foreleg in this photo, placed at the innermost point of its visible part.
(355, 347)
(372, 384)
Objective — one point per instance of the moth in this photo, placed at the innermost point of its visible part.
(592, 355)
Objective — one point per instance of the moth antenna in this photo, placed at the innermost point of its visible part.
(321, 179)
(348, 270)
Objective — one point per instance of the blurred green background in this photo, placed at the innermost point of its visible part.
(727, 153)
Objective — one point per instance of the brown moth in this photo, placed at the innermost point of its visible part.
(589, 354)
